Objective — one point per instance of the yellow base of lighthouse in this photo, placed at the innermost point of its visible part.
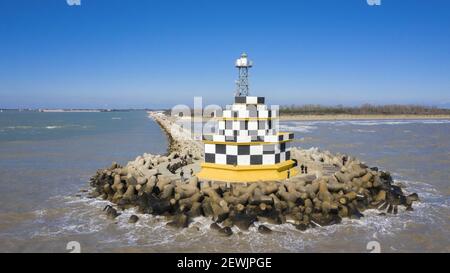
(255, 173)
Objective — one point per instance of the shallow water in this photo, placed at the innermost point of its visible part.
(42, 171)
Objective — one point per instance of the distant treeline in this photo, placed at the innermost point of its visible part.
(365, 109)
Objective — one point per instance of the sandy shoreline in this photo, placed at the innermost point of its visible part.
(360, 117)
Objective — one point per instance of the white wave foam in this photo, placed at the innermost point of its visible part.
(151, 231)
(48, 127)
(298, 128)
(22, 127)
(364, 131)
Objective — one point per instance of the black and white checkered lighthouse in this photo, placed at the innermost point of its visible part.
(247, 146)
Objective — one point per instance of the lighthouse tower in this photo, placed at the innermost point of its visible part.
(243, 64)
(247, 146)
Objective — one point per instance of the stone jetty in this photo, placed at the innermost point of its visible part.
(329, 187)
(180, 140)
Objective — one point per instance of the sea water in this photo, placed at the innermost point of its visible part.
(46, 158)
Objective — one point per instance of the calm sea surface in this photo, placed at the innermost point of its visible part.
(46, 158)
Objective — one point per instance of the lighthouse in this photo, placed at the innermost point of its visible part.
(247, 146)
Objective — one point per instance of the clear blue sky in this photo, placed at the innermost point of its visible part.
(158, 53)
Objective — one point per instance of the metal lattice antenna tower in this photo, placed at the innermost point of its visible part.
(243, 64)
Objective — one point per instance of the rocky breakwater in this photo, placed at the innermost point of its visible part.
(180, 139)
(334, 187)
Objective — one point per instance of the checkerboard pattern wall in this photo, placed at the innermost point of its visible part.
(247, 120)
(245, 125)
(249, 100)
(246, 137)
(243, 155)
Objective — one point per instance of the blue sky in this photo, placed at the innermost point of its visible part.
(155, 53)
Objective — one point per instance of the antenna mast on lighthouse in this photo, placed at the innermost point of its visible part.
(243, 64)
